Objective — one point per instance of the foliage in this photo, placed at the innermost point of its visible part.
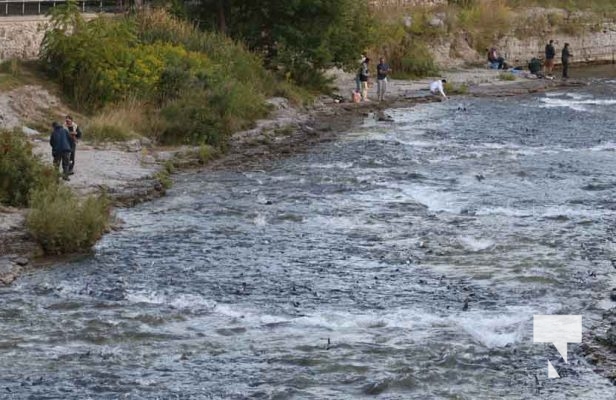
(62, 223)
(485, 21)
(233, 60)
(451, 88)
(206, 153)
(203, 86)
(294, 34)
(506, 76)
(405, 45)
(11, 67)
(20, 170)
(122, 121)
(207, 117)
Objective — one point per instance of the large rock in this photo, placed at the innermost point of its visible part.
(9, 271)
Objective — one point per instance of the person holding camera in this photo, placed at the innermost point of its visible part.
(75, 134)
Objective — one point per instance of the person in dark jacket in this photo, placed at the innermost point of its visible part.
(550, 53)
(74, 134)
(566, 55)
(60, 142)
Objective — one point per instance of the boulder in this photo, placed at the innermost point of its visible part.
(9, 271)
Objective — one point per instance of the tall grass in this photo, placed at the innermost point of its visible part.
(63, 223)
(124, 121)
(405, 46)
(484, 22)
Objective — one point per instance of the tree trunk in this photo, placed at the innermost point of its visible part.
(222, 21)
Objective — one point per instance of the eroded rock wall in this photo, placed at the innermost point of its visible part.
(21, 37)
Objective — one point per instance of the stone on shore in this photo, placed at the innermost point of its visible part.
(9, 271)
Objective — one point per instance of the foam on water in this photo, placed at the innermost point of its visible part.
(475, 244)
(576, 103)
(181, 301)
(431, 197)
(498, 330)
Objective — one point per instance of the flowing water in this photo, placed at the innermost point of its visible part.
(403, 261)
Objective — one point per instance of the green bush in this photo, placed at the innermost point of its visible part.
(506, 76)
(203, 85)
(451, 88)
(416, 62)
(63, 223)
(20, 170)
(209, 116)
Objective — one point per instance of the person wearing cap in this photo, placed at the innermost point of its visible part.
(74, 134)
(60, 143)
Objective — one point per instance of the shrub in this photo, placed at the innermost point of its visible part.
(20, 170)
(209, 116)
(120, 122)
(204, 85)
(206, 153)
(417, 61)
(506, 76)
(407, 48)
(451, 88)
(12, 67)
(484, 21)
(62, 223)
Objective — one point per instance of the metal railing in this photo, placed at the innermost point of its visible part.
(40, 7)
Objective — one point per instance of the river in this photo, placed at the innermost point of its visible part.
(405, 260)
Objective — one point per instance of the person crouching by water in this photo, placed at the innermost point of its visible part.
(60, 148)
(364, 74)
(436, 88)
(74, 134)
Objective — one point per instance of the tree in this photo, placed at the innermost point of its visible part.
(297, 34)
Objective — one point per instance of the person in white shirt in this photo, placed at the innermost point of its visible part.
(436, 87)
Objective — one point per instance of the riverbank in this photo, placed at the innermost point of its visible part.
(129, 172)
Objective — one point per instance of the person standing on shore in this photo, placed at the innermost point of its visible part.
(566, 55)
(74, 134)
(436, 88)
(550, 53)
(60, 148)
(381, 78)
(364, 75)
(357, 80)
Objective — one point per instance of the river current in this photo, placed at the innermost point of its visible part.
(405, 260)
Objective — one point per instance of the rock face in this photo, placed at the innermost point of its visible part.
(587, 47)
(20, 37)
